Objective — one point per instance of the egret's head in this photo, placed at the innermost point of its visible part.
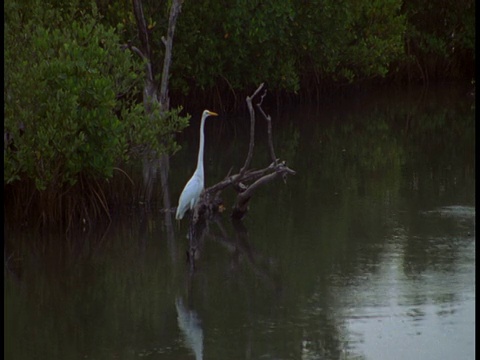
(209, 113)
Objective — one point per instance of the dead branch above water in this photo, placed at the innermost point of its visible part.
(247, 181)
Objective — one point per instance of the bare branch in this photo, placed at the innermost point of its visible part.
(252, 129)
(260, 87)
(150, 89)
(248, 176)
(142, 27)
(174, 12)
(241, 204)
(134, 49)
(269, 128)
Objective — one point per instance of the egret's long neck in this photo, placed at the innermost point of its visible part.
(200, 149)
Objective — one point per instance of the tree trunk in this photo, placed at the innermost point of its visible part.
(152, 163)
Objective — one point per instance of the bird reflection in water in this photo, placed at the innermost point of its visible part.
(190, 326)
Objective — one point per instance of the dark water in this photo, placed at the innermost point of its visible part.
(367, 253)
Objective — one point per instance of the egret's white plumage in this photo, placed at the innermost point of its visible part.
(191, 192)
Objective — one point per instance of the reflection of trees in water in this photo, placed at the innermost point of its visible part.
(307, 332)
(236, 244)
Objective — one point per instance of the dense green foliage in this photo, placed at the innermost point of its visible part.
(61, 86)
(285, 43)
(225, 48)
(440, 38)
(71, 98)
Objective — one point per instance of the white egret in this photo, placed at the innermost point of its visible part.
(191, 192)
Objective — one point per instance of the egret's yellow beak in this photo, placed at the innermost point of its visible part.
(211, 113)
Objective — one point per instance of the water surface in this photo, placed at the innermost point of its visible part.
(367, 253)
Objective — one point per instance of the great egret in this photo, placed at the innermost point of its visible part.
(191, 192)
